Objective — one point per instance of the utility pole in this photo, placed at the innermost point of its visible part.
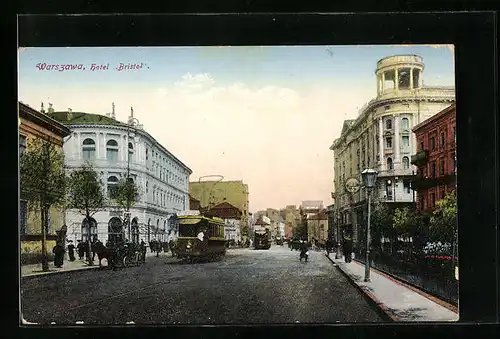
(130, 122)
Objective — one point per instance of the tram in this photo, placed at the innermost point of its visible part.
(200, 237)
(262, 239)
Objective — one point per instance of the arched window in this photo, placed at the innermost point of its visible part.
(88, 149)
(404, 123)
(112, 150)
(112, 181)
(115, 229)
(85, 229)
(389, 163)
(130, 152)
(388, 124)
(406, 163)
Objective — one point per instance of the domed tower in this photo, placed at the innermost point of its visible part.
(399, 72)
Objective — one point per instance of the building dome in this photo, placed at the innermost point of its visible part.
(399, 72)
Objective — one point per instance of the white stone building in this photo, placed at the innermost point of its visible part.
(115, 149)
(381, 137)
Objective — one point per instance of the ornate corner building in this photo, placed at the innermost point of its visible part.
(381, 138)
(117, 150)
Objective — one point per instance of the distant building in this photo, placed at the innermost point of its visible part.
(317, 227)
(330, 211)
(212, 193)
(35, 125)
(435, 159)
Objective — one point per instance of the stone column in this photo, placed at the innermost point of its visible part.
(396, 142)
(79, 146)
(381, 143)
(411, 78)
(378, 84)
(420, 82)
(383, 82)
(396, 80)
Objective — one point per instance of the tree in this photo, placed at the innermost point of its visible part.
(443, 220)
(381, 223)
(126, 193)
(42, 183)
(86, 194)
(403, 221)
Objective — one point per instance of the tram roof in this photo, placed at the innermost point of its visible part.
(196, 218)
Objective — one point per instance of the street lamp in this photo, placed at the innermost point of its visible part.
(130, 122)
(369, 180)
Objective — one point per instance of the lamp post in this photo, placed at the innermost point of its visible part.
(130, 122)
(369, 180)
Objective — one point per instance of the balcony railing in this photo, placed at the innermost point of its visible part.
(420, 158)
(422, 183)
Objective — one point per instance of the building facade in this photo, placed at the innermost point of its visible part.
(117, 150)
(381, 138)
(317, 227)
(435, 159)
(211, 193)
(37, 125)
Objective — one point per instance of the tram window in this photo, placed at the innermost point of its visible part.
(188, 231)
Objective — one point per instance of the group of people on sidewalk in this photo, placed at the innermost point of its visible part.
(97, 247)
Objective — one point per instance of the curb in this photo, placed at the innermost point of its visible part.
(384, 311)
(415, 289)
(43, 274)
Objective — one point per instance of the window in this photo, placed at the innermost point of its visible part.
(406, 186)
(130, 152)
(442, 140)
(406, 163)
(433, 143)
(433, 170)
(454, 159)
(443, 193)
(422, 202)
(22, 144)
(433, 199)
(388, 124)
(147, 187)
(23, 216)
(406, 140)
(88, 149)
(421, 146)
(454, 134)
(93, 229)
(389, 163)
(112, 181)
(404, 123)
(112, 151)
(388, 189)
(388, 142)
(441, 166)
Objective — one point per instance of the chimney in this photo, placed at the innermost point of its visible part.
(131, 117)
(42, 109)
(113, 110)
(70, 114)
(51, 109)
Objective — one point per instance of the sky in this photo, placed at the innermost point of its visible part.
(266, 115)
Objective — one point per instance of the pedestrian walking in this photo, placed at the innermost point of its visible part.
(142, 250)
(94, 248)
(171, 245)
(80, 249)
(71, 250)
(348, 248)
(58, 251)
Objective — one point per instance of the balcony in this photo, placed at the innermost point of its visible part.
(420, 158)
(423, 183)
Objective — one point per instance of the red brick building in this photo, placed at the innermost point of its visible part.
(435, 158)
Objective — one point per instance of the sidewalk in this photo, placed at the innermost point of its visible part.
(36, 269)
(401, 302)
